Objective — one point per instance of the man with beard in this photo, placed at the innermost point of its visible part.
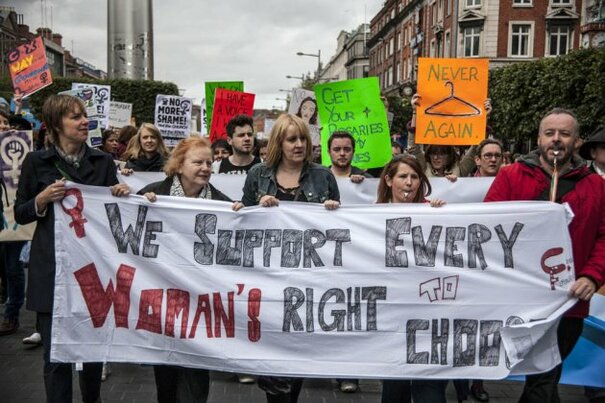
(341, 146)
(530, 179)
(241, 139)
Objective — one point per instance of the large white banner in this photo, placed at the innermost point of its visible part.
(372, 291)
(464, 190)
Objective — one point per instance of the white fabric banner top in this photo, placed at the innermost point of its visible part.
(376, 291)
(464, 190)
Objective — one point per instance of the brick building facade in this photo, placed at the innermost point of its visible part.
(504, 31)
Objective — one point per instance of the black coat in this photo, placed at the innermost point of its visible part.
(40, 170)
(163, 188)
(144, 164)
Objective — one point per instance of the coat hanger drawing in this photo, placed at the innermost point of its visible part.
(468, 109)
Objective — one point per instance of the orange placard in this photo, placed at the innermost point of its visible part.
(28, 67)
(453, 94)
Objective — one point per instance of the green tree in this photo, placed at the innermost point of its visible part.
(523, 92)
(402, 113)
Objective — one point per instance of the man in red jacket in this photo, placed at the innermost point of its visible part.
(530, 179)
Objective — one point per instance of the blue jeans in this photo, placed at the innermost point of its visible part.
(15, 279)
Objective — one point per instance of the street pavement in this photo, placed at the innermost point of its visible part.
(21, 381)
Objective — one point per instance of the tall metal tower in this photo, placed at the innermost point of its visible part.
(130, 39)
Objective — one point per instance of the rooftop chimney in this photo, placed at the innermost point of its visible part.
(57, 38)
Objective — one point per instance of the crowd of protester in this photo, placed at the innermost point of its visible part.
(284, 168)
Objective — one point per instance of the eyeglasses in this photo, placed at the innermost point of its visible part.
(489, 156)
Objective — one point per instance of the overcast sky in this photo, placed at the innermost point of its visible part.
(215, 40)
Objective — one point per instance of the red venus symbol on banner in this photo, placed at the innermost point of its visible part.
(75, 213)
(552, 270)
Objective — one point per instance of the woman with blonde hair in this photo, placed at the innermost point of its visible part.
(288, 174)
(146, 151)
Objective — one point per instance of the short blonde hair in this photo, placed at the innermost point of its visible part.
(278, 134)
(177, 158)
(134, 148)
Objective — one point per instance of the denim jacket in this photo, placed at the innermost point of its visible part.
(317, 182)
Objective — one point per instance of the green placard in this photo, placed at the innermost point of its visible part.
(355, 106)
(211, 87)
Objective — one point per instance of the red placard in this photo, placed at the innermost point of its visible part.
(227, 104)
(28, 67)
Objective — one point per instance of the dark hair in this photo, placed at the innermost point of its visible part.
(341, 134)
(450, 151)
(222, 143)
(562, 111)
(4, 112)
(488, 142)
(385, 193)
(397, 144)
(239, 121)
(40, 139)
(126, 133)
(106, 134)
(260, 143)
(313, 118)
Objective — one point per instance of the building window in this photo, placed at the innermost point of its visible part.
(521, 41)
(391, 46)
(522, 3)
(449, 7)
(472, 3)
(472, 39)
(560, 2)
(50, 57)
(432, 50)
(448, 44)
(559, 40)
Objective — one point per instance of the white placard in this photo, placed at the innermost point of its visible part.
(173, 117)
(119, 114)
(102, 96)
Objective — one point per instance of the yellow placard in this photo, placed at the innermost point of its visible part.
(453, 94)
